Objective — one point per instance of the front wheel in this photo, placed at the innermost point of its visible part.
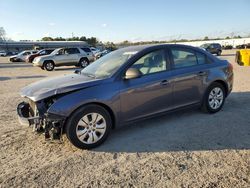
(214, 98)
(219, 53)
(49, 65)
(88, 127)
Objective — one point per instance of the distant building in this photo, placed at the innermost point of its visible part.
(28, 45)
(223, 42)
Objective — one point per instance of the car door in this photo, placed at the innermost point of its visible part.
(213, 48)
(152, 92)
(70, 56)
(187, 76)
(60, 58)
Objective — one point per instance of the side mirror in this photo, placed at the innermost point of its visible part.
(132, 73)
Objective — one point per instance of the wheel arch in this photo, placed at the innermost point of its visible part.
(222, 82)
(106, 107)
(48, 60)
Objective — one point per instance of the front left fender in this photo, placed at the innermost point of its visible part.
(107, 94)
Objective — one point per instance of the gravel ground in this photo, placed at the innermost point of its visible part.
(183, 149)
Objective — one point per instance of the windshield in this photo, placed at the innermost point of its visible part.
(55, 51)
(21, 53)
(108, 64)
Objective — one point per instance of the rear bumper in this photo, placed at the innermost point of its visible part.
(23, 112)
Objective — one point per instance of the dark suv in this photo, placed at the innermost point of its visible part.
(213, 48)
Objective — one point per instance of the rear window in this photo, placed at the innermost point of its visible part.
(183, 58)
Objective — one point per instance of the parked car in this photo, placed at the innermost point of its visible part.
(62, 57)
(243, 46)
(102, 53)
(89, 53)
(22, 55)
(3, 53)
(11, 53)
(227, 47)
(31, 57)
(95, 51)
(213, 48)
(122, 87)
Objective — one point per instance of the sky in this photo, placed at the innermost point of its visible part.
(119, 20)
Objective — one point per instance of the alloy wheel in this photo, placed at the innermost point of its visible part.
(215, 98)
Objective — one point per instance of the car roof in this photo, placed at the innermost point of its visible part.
(152, 46)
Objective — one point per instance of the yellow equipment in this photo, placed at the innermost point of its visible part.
(243, 57)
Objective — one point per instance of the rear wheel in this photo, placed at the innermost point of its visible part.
(49, 65)
(83, 62)
(214, 98)
(88, 127)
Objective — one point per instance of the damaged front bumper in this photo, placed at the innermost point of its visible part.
(24, 116)
(50, 124)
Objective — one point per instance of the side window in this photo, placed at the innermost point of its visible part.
(75, 51)
(183, 58)
(201, 58)
(72, 51)
(86, 50)
(152, 62)
(43, 52)
(61, 51)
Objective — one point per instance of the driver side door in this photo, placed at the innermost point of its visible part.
(152, 92)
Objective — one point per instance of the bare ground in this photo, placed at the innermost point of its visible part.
(183, 149)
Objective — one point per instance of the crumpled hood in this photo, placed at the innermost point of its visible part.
(57, 85)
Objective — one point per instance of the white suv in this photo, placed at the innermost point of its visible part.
(62, 57)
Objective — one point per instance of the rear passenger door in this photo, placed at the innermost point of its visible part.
(72, 55)
(188, 71)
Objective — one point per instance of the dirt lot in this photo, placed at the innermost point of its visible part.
(184, 149)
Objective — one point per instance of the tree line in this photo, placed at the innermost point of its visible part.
(93, 41)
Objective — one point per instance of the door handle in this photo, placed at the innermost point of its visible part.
(201, 73)
(164, 82)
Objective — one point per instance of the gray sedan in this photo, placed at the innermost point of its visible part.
(124, 86)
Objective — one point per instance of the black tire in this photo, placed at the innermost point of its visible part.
(84, 62)
(206, 107)
(219, 53)
(49, 65)
(71, 125)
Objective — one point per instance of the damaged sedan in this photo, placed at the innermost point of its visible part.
(124, 86)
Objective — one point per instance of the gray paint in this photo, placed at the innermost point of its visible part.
(135, 98)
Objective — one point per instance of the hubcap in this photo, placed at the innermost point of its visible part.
(49, 66)
(215, 98)
(91, 128)
(84, 63)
